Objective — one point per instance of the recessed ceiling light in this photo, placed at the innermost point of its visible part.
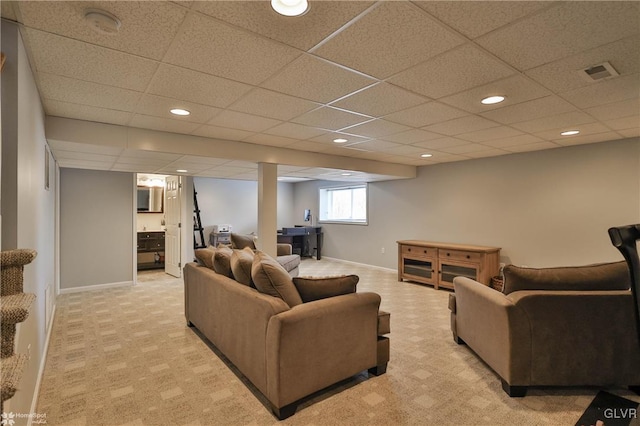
(570, 132)
(340, 140)
(426, 155)
(101, 21)
(182, 171)
(290, 7)
(346, 174)
(492, 100)
(180, 111)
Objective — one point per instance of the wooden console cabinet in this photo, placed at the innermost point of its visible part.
(438, 263)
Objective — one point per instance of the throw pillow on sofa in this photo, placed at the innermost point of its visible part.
(239, 241)
(222, 261)
(205, 256)
(241, 263)
(321, 288)
(271, 278)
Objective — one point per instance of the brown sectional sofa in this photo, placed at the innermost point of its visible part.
(571, 326)
(292, 343)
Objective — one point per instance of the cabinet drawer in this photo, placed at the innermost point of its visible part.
(419, 251)
(465, 256)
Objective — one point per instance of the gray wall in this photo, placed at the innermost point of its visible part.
(235, 202)
(96, 227)
(543, 208)
(32, 221)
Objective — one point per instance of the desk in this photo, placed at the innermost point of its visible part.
(300, 237)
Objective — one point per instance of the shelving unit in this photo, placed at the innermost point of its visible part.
(437, 264)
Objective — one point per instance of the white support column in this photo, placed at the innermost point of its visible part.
(268, 208)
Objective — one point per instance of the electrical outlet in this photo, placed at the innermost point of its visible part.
(382, 250)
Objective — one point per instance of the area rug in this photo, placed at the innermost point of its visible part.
(607, 409)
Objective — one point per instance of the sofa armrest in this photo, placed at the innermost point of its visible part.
(284, 249)
(581, 337)
(495, 328)
(317, 344)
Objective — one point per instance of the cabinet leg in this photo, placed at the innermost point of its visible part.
(378, 369)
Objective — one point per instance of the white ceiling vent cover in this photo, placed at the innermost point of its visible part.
(598, 72)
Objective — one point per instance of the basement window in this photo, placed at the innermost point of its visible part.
(344, 204)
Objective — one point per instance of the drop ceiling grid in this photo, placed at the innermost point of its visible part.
(212, 97)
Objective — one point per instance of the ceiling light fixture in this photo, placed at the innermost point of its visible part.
(492, 100)
(426, 155)
(346, 174)
(182, 171)
(102, 22)
(570, 132)
(340, 140)
(290, 7)
(180, 111)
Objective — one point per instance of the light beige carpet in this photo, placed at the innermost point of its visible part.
(125, 356)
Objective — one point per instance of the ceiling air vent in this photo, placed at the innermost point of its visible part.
(598, 72)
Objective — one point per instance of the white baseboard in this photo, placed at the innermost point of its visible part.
(43, 362)
(395, 271)
(96, 287)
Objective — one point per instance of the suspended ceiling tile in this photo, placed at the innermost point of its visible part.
(564, 74)
(577, 26)
(516, 89)
(585, 129)
(566, 119)
(464, 149)
(460, 125)
(72, 58)
(412, 136)
(329, 137)
(135, 153)
(208, 161)
(197, 87)
(141, 161)
(330, 118)
(630, 133)
(7, 11)
(259, 58)
(242, 121)
(614, 110)
(216, 132)
(475, 18)
(489, 134)
(529, 110)
(511, 141)
(163, 124)
(594, 138)
(396, 31)
(295, 131)
(80, 92)
(160, 106)
(132, 168)
(537, 146)
(377, 128)
(614, 90)
(86, 164)
(303, 32)
(273, 105)
(380, 99)
(405, 150)
(487, 153)
(85, 112)
(435, 79)
(441, 143)
(138, 34)
(317, 80)
(374, 145)
(632, 122)
(425, 114)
